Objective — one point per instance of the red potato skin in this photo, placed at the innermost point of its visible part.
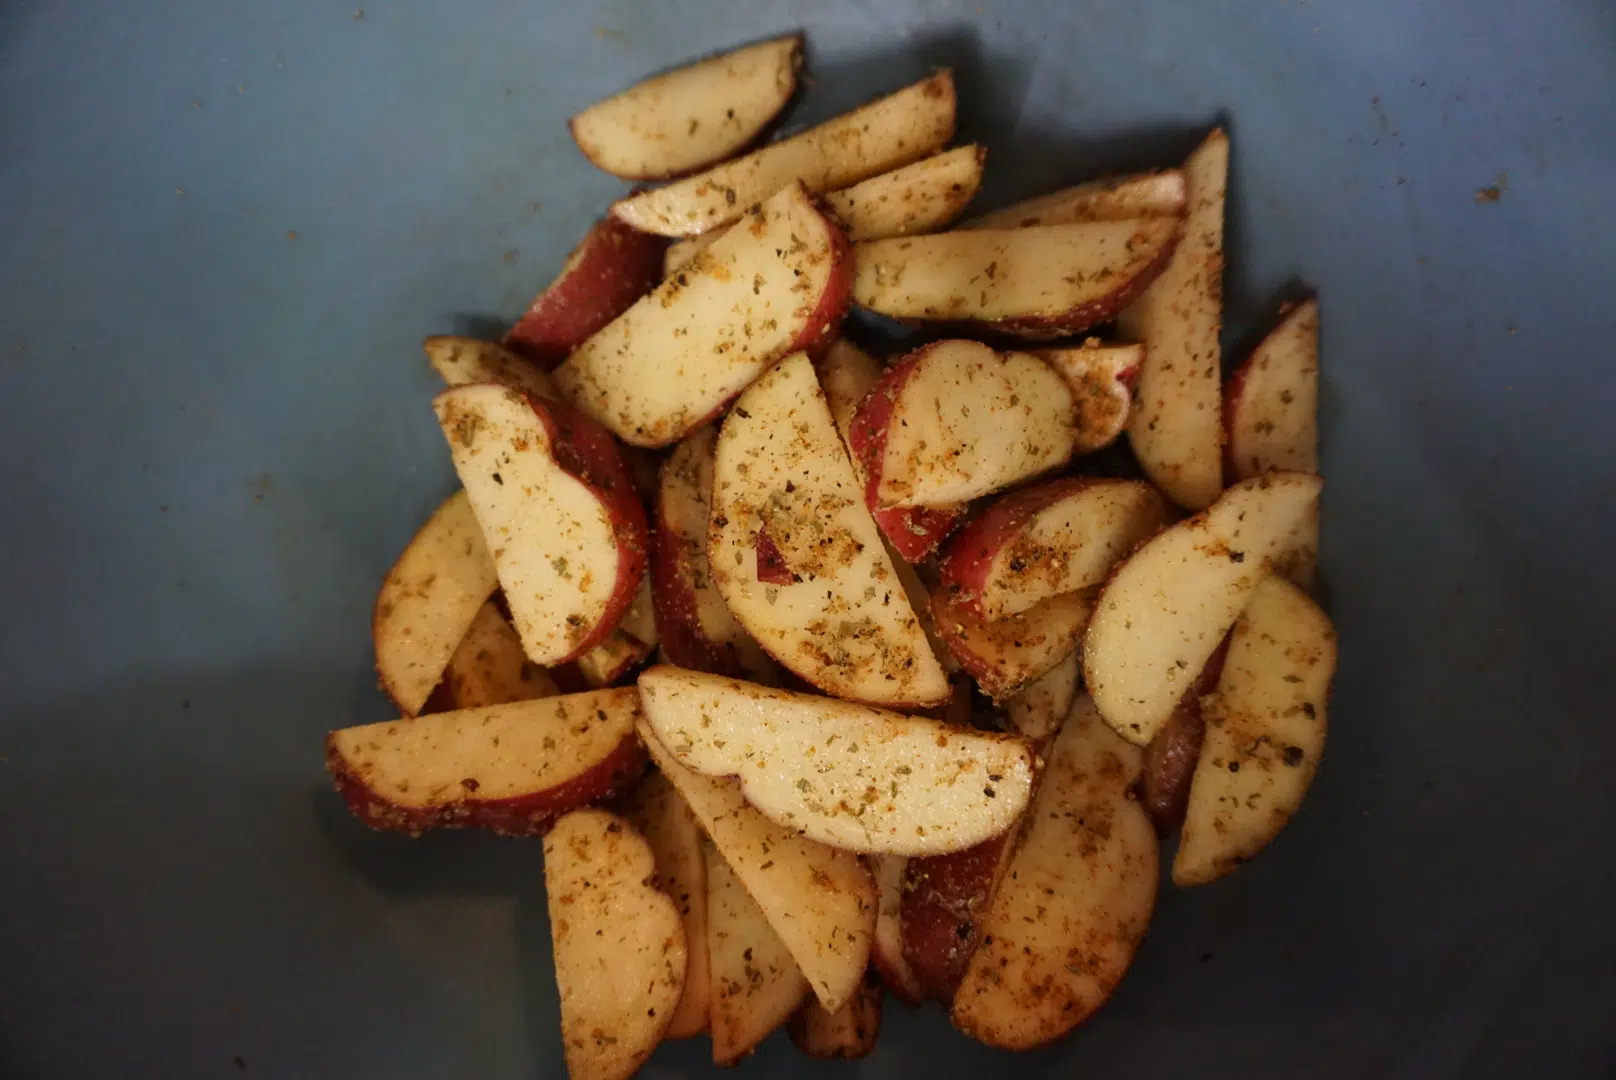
(525, 815)
(1076, 320)
(965, 562)
(1171, 757)
(678, 625)
(914, 532)
(825, 322)
(587, 451)
(606, 273)
(771, 564)
(943, 897)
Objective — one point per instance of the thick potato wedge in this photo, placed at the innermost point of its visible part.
(670, 363)
(1176, 428)
(620, 948)
(1040, 283)
(1007, 655)
(508, 768)
(693, 116)
(659, 812)
(1265, 727)
(490, 668)
(1102, 378)
(428, 602)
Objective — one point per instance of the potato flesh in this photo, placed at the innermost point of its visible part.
(620, 949)
(1159, 194)
(1101, 377)
(969, 421)
(756, 983)
(1274, 414)
(428, 601)
(1170, 604)
(1071, 911)
(1265, 730)
(992, 274)
(846, 627)
(1038, 710)
(1007, 654)
(821, 901)
(463, 360)
(490, 668)
(853, 777)
(1176, 428)
(691, 117)
(497, 752)
(665, 366)
(883, 135)
(554, 543)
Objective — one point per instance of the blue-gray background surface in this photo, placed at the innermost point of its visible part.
(225, 226)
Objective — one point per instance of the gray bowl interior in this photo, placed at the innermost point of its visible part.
(228, 225)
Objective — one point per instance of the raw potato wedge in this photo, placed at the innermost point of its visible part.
(661, 816)
(693, 116)
(508, 768)
(955, 420)
(462, 360)
(1265, 727)
(944, 899)
(620, 948)
(604, 275)
(917, 198)
(1144, 195)
(1039, 709)
(886, 134)
(850, 776)
(886, 953)
(551, 493)
(757, 986)
(799, 560)
(1272, 401)
(1168, 606)
(848, 1033)
(1271, 409)
(1052, 538)
(821, 901)
(847, 374)
(1005, 656)
(1068, 917)
(1045, 282)
(490, 668)
(1102, 379)
(697, 631)
(428, 601)
(675, 359)
(1176, 428)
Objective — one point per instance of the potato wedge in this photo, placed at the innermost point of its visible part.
(1038, 711)
(1065, 922)
(840, 619)
(955, 420)
(675, 359)
(1041, 283)
(944, 900)
(1039, 542)
(508, 768)
(659, 812)
(883, 135)
(821, 901)
(1143, 195)
(462, 360)
(1005, 656)
(757, 986)
(550, 487)
(917, 198)
(886, 952)
(625, 648)
(1265, 728)
(613, 266)
(1176, 428)
(850, 776)
(490, 668)
(620, 948)
(428, 602)
(693, 116)
(1169, 605)
(1102, 379)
